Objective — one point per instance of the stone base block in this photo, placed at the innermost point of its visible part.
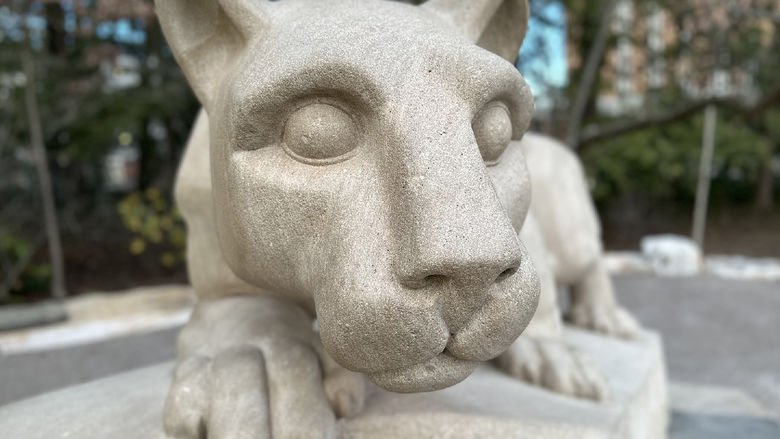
(488, 404)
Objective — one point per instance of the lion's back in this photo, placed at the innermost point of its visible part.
(562, 204)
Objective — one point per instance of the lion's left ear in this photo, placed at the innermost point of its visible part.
(208, 36)
(496, 25)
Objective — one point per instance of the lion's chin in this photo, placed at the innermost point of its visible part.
(443, 370)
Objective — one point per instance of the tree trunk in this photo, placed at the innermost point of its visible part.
(765, 190)
(590, 71)
(42, 165)
(55, 27)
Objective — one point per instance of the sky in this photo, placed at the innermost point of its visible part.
(547, 68)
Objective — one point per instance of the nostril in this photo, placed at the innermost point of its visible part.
(424, 282)
(435, 279)
(506, 274)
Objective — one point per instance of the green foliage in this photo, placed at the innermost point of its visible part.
(771, 121)
(84, 109)
(14, 250)
(661, 163)
(154, 222)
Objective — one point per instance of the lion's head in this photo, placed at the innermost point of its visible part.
(364, 155)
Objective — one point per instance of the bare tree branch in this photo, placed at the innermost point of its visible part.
(592, 134)
(770, 99)
(586, 86)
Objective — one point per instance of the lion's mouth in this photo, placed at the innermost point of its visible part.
(441, 371)
(479, 339)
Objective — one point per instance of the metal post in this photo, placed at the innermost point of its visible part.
(705, 171)
(44, 180)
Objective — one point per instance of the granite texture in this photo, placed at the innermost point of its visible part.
(488, 404)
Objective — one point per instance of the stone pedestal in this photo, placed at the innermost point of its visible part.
(488, 404)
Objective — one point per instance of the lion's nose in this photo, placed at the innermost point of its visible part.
(459, 256)
(463, 268)
(455, 239)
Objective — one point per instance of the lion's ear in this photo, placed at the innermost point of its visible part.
(496, 25)
(208, 36)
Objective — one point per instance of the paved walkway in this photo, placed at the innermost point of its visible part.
(29, 374)
(716, 331)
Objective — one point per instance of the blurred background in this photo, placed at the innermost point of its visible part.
(625, 83)
(672, 105)
(113, 113)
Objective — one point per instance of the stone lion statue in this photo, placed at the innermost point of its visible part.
(563, 236)
(355, 192)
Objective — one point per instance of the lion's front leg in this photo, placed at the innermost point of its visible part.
(540, 356)
(248, 367)
(594, 306)
(346, 390)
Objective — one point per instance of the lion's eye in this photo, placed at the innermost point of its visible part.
(320, 133)
(493, 130)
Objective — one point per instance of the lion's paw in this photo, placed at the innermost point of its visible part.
(346, 392)
(228, 395)
(555, 366)
(611, 320)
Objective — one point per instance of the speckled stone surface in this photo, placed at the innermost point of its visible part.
(489, 404)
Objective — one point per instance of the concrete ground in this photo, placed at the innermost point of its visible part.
(715, 331)
(28, 374)
(106, 334)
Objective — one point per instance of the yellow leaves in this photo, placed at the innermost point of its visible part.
(166, 223)
(178, 237)
(156, 200)
(137, 246)
(168, 259)
(153, 222)
(134, 224)
(155, 236)
(125, 138)
(153, 193)
(152, 228)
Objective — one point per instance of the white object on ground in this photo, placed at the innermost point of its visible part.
(735, 267)
(743, 268)
(672, 255)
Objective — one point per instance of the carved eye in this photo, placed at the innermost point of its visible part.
(493, 130)
(320, 134)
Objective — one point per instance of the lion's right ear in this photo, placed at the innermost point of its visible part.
(208, 36)
(496, 25)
